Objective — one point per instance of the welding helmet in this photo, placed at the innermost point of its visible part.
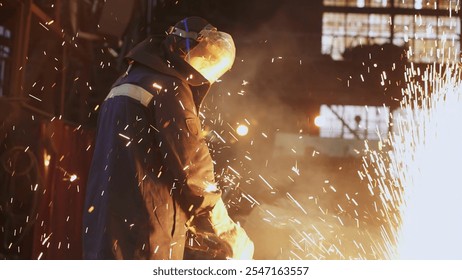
(207, 50)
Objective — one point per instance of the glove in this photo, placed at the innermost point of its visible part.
(230, 233)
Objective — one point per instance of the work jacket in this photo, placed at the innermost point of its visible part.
(151, 170)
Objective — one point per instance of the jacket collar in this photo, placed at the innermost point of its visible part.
(199, 85)
(171, 64)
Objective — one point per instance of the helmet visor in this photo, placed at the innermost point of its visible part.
(214, 54)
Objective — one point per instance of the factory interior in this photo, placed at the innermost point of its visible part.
(294, 128)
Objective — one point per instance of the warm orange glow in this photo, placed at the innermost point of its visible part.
(46, 159)
(213, 56)
(231, 233)
(211, 69)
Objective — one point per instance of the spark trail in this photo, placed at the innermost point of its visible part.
(417, 172)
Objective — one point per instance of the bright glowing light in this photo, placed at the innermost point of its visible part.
(213, 56)
(157, 86)
(320, 121)
(46, 159)
(242, 130)
(418, 179)
(211, 71)
(427, 155)
(73, 178)
(210, 187)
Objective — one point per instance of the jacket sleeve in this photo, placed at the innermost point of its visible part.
(184, 149)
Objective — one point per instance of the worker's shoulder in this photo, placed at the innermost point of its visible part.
(166, 80)
(151, 80)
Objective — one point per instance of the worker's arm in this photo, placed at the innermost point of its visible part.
(187, 156)
(184, 148)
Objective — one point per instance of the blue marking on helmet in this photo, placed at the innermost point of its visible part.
(187, 30)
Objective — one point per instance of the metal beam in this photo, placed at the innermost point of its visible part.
(389, 11)
(20, 47)
(50, 23)
(344, 123)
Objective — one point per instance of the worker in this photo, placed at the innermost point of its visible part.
(152, 179)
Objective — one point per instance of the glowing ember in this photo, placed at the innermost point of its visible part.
(73, 178)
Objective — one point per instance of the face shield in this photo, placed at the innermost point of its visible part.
(214, 53)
